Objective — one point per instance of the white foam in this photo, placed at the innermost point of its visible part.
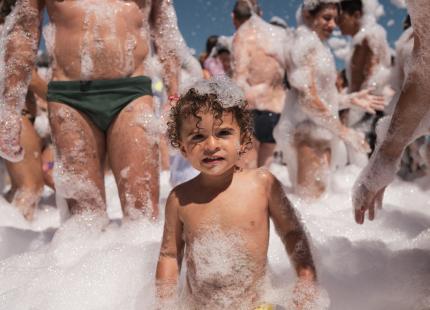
(227, 92)
(91, 265)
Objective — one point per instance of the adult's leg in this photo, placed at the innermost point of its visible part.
(132, 144)
(313, 164)
(164, 153)
(48, 165)
(265, 154)
(26, 176)
(79, 157)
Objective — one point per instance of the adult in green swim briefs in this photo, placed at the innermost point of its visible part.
(100, 101)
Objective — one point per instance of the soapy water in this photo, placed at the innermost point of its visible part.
(91, 263)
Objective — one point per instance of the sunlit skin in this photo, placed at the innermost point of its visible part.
(106, 30)
(409, 121)
(26, 176)
(261, 76)
(363, 59)
(232, 201)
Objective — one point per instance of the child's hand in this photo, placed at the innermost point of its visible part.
(305, 294)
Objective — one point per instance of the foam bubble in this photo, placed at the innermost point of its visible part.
(228, 93)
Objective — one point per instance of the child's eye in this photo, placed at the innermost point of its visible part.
(223, 133)
(197, 137)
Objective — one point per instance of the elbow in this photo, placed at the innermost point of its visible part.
(307, 273)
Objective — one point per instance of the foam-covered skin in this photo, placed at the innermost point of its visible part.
(314, 97)
(259, 61)
(404, 48)
(369, 62)
(410, 120)
(102, 39)
(15, 73)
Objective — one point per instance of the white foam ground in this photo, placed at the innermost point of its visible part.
(92, 264)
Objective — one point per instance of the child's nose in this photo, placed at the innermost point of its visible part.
(211, 144)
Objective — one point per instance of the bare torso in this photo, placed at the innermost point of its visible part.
(259, 62)
(228, 240)
(99, 39)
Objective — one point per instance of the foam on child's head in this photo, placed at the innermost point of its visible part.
(227, 92)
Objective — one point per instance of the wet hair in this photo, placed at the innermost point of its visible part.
(351, 6)
(407, 22)
(6, 7)
(242, 10)
(194, 102)
(211, 43)
(313, 12)
(278, 24)
(223, 50)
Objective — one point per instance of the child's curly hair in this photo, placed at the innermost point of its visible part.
(194, 102)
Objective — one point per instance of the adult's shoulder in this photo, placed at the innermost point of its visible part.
(371, 33)
(305, 40)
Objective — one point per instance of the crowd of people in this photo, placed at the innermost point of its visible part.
(122, 92)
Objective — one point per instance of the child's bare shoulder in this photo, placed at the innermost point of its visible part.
(262, 175)
(182, 191)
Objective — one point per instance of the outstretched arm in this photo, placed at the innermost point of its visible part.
(167, 39)
(407, 123)
(22, 32)
(171, 252)
(318, 110)
(362, 64)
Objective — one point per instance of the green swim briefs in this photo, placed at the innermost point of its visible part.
(100, 100)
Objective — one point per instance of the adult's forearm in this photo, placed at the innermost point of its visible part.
(20, 48)
(168, 41)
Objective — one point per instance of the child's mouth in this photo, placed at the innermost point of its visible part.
(212, 159)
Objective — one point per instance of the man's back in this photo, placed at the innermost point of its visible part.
(259, 60)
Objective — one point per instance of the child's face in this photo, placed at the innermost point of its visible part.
(211, 147)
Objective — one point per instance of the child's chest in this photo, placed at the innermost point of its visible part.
(243, 209)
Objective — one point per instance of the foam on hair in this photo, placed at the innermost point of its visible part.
(228, 93)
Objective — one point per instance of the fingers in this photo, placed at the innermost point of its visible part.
(379, 198)
(375, 203)
(366, 147)
(359, 216)
(371, 212)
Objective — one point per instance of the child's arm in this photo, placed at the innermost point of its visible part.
(291, 231)
(171, 251)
